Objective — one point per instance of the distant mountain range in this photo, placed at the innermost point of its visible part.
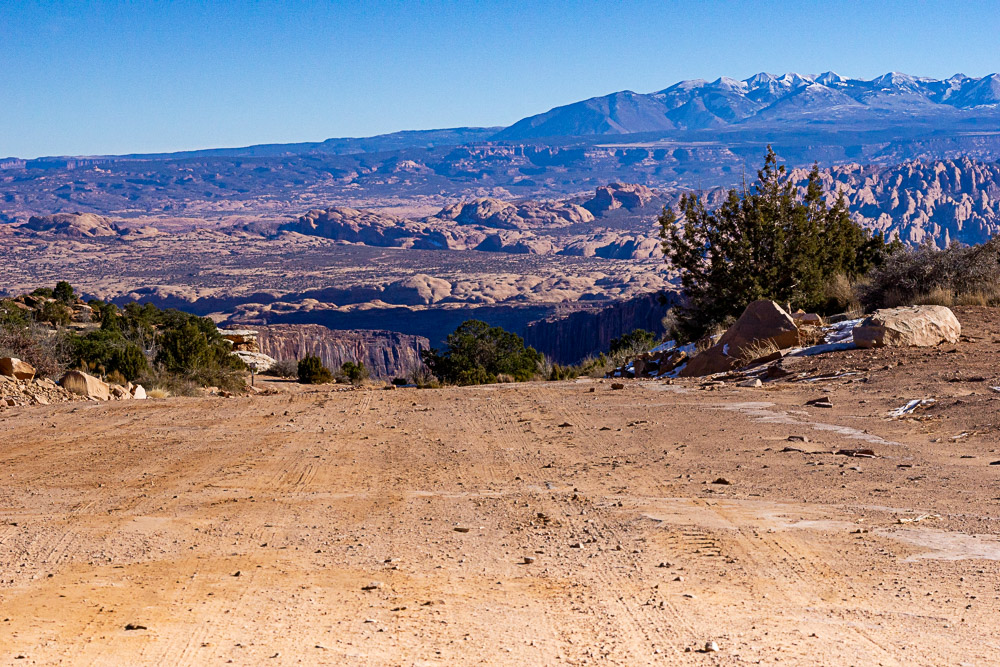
(767, 100)
(688, 110)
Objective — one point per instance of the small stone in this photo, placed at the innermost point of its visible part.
(617, 385)
(723, 481)
(711, 647)
(822, 402)
(528, 560)
(754, 383)
(461, 529)
(374, 585)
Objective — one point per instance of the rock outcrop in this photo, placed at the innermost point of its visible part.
(73, 225)
(242, 340)
(386, 354)
(86, 385)
(498, 214)
(40, 391)
(911, 326)
(15, 368)
(619, 195)
(762, 323)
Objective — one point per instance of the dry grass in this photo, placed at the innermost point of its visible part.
(157, 393)
(758, 349)
(955, 276)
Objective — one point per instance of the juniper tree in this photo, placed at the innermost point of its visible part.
(767, 241)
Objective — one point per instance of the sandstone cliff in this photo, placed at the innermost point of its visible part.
(386, 354)
(567, 340)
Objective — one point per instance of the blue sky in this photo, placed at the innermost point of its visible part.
(80, 77)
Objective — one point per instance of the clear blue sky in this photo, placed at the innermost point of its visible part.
(79, 77)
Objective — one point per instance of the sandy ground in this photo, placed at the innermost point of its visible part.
(391, 527)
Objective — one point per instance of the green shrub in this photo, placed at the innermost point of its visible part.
(64, 293)
(355, 373)
(636, 342)
(476, 353)
(11, 315)
(312, 371)
(764, 243)
(193, 348)
(55, 313)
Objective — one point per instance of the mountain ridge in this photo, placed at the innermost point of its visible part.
(762, 101)
(697, 104)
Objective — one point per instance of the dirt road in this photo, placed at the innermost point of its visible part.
(392, 527)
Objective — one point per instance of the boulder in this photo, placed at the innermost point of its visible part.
(119, 392)
(138, 393)
(803, 318)
(17, 369)
(85, 385)
(761, 323)
(910, 326)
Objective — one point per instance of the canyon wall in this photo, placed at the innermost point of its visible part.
(569, 339)
(386, 354)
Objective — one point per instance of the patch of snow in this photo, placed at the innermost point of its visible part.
(675, 372)
(911, 406)
(841, 331)
(823, 348)
(665, 346)
(725, 349)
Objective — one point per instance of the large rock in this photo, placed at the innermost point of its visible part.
(74, 225)
(86, 385)
(243, 340)
(17, 369)
(761, 323)
(911, 326)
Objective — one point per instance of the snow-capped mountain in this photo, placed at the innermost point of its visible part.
(767, 98)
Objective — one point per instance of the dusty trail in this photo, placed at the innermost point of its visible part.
(246, 529)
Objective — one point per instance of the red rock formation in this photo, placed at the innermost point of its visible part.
(386, 354)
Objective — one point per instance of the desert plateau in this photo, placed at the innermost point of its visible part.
(499, 333)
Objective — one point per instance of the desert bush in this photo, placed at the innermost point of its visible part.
(422, 377)
(400, 382)
(107, 352)
(633, 343)
(476, 353)
(160, 383)
(312, 371)
(352, 372)
(64, 293)
(839, 294)
(925, 275)
(764, 243)
(193, 349)
(284, 368)
(114, 377)
(55, 313)
(35, 344)
(11, 315)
